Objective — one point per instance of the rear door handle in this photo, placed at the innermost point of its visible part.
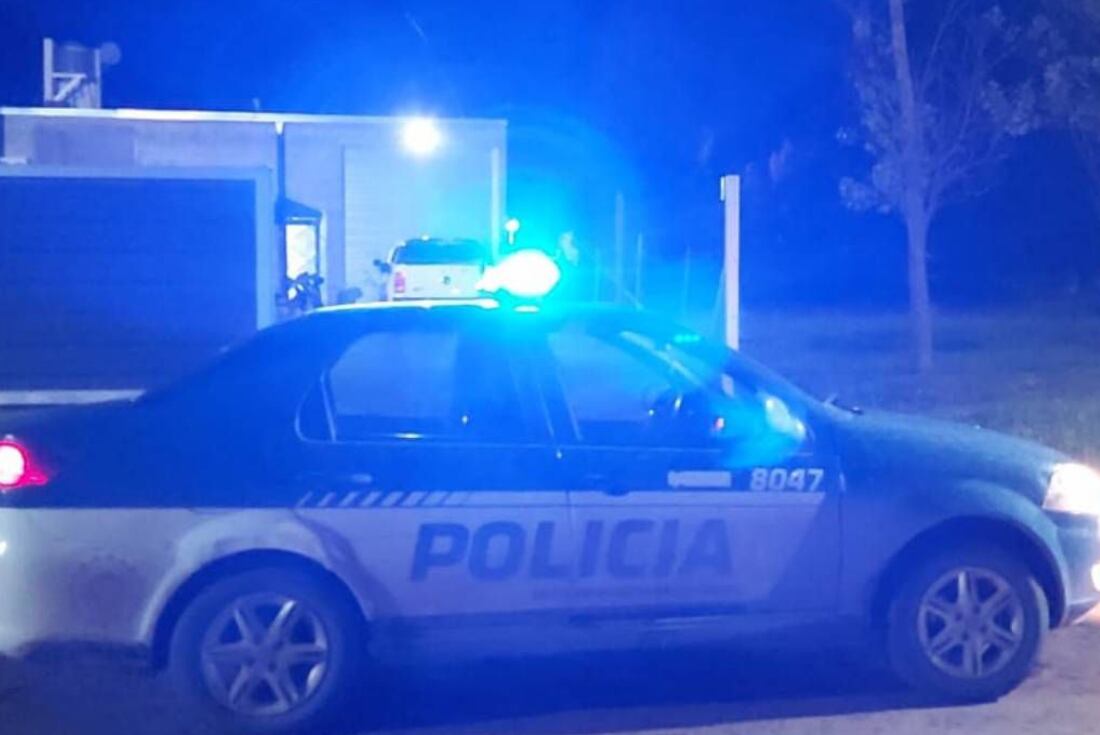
(356, 479)
(606, 484)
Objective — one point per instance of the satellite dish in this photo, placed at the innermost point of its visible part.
(110, 54)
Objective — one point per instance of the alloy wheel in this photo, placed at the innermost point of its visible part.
(971, 623)
(265, 654)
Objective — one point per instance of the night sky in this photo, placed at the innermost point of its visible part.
(656, 99)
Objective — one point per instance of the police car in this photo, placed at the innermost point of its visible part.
(372, 483)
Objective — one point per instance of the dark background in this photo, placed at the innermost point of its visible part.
(656, 99)
(172, 241)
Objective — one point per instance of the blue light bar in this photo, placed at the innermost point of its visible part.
(526, 274)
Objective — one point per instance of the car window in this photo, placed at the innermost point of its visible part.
(618, 387)
(609, 390)
(417, 384)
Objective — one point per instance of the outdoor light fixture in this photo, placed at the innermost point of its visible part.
(421, 136)
(512, 228)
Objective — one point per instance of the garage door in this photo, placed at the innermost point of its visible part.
(116, 283)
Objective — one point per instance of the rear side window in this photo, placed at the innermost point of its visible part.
(394, 383)
(418, 385)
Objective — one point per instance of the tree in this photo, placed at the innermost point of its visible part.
(1069, 51)
(937, 111)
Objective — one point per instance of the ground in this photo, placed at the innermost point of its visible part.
(704, 693)
(1033, 373)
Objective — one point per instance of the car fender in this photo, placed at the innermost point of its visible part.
(902, 521)
(223, 535)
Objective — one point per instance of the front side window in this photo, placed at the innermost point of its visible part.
(624, 387)
(609, 389)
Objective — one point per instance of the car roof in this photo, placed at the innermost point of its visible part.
(413, 313)
(577, 310)
(339, 321)
(410, 304)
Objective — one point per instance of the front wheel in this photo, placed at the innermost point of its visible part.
(967, 624)
(268, 652)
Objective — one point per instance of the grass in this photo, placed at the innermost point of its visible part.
(1031, 373)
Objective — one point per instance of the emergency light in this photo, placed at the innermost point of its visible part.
(526, 274)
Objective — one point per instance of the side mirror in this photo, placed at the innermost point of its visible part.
(700, 417)
(383, 266)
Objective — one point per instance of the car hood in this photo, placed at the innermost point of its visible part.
(887, 442)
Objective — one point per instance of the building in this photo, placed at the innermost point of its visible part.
(177, 208)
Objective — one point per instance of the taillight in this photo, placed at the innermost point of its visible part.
(17, 468)
(399, 282)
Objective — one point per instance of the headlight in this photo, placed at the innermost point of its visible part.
(1074, 488)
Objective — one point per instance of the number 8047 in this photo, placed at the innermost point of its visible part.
(782, 479)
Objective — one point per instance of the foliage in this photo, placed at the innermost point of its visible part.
(972, 99)
(1069, 52)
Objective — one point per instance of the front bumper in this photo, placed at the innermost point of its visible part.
(1079, 539)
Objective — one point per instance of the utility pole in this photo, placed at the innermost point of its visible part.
(496, 199)
(620, 246)
(685, 284)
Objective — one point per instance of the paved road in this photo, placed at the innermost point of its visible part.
(85, 693)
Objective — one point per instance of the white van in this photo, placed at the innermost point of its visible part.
(429, 268)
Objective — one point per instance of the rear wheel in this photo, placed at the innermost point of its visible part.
(270, 651)
(968, 624)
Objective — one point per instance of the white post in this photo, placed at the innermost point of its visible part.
(47, 71)
(496, 206)
(620, 246)
(731, 196)
(685, 285)
(97, 90)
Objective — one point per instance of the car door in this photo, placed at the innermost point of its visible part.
(418, 451)
(675, 520)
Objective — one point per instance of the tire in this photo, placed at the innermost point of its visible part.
(299, 676)
(943, 643)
